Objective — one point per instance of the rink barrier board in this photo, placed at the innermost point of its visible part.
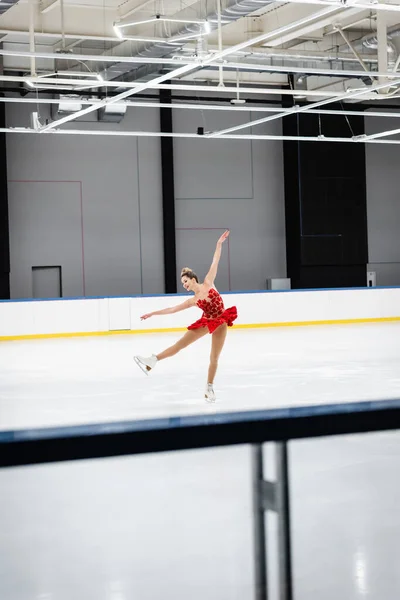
(33, 319)
(125, 438)
(43, 336)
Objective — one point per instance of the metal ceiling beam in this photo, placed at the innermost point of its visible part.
(204, 107)
(352, 48)
(316, 23)
(155, 134)
(263, 52)
(130, 92)
(58, 35)
(303, 109)
(69, 85)
(227, 65)
(48, 6)
(96, 57)
(370, 6)
(188, 68)
(259, 53)
(381, 30)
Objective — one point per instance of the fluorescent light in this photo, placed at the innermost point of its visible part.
(118, 32)
(132, 23)
(89, 80)
(172, 20)
(142, 38)
(159, 18)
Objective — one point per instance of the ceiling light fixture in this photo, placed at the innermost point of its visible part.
(204, 29)
(89, 80)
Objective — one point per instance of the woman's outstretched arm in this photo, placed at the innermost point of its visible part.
(212, 273)
(169, 311)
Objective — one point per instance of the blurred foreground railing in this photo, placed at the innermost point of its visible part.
(52, 445)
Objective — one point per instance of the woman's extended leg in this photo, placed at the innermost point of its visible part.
(218, 340)
(190, 336)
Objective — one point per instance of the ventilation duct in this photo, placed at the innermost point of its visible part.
(231, 12)
(5, 6)
(370, 42)
(66, 108)
(112, 113)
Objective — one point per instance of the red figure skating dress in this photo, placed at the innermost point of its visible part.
(214, 313)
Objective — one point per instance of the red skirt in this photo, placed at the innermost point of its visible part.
(228, 316)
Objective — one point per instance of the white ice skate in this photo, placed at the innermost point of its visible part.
(146, 363)
(209, 393)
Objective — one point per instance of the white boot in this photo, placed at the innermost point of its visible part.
(146, 363)
(209, 393)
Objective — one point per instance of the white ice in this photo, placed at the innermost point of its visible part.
(179, 525)
(80, 380)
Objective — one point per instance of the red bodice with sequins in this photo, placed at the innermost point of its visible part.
(212, 306)
(214, 313)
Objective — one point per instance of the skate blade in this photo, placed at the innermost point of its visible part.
(209, 400)
(141, 365)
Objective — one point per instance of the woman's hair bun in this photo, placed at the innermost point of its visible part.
(189, 273)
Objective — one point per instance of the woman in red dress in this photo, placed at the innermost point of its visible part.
(215, 319)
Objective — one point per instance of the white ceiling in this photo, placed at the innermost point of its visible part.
(298, 39)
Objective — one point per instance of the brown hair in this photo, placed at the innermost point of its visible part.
(187, 272)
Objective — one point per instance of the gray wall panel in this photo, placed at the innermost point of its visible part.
(118, 193)
(387, 274)
(205, 169)
(218, 184)
(197, 246)
(383, 204)
(45, 228)
(257, 222)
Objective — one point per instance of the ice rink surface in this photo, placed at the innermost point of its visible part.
(84, 380)
(179, 525)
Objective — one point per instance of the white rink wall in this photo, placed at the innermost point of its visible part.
(103, 315)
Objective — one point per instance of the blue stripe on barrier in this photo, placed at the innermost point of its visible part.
(224, 293)
(179, 422)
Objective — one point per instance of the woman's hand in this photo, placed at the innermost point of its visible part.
(223, 237)
(146, 316)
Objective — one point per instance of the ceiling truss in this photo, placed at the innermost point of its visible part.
(318, 52)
